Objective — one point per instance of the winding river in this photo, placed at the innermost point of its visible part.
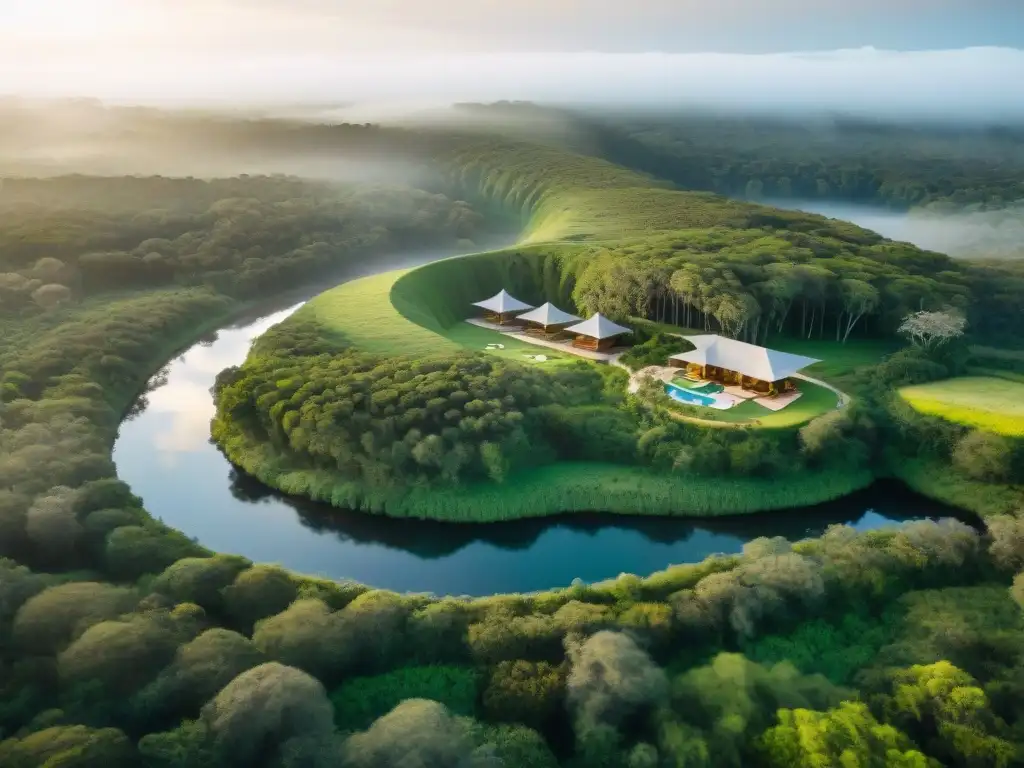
(164, 452)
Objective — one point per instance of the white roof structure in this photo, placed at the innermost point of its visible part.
(549, 314)
(502, 302)
(598, 326)
(747, 359)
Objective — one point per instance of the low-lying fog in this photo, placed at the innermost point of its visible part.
(977, 84)
(976, 235)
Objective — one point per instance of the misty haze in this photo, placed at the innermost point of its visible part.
(971, 234)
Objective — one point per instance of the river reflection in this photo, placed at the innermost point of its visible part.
(164, 452)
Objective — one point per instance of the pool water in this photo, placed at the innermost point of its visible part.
(707, 389)
(687, 396)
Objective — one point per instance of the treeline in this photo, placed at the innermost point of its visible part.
(741, 269)
(60, 137)
(897, 166)
(750, 284)
(68, 237)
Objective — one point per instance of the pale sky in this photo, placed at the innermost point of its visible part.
(732, 51)
(339, 26)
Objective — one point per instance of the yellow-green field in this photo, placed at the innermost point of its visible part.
(988, 403)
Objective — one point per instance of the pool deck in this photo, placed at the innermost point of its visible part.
(729, 397)
(560, 346)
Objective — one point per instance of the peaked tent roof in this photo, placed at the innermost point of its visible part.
(598, 326)
(747, 359)
(549, 314)
(503, 302)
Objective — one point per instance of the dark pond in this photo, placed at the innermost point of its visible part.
(165, 454)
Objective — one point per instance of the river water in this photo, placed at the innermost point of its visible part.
(164, 452)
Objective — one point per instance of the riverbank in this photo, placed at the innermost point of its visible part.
(934, 481)
(561, 488)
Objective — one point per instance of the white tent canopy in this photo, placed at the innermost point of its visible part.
(597, 326)
(549, 314)
(746, 359)
(502, 303)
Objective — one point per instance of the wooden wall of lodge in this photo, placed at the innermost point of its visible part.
(552, 332)
(506, 318)
(594, 345)
(731, 378)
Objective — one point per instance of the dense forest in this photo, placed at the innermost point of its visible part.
(854, 160)
(78, 236)
(701, 260)
(123, 643)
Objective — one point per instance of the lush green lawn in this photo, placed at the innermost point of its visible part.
(992, 404)
(837, 359)
(814, 401)
(476, 339)
(360, 312)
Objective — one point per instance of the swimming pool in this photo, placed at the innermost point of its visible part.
(686, 396)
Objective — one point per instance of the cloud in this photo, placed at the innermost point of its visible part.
(536, 25)
(977, 83)
(260, 51)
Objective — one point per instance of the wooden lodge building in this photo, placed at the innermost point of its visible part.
(737, 363)
(547, 321)
(597, 333)
(502, 308)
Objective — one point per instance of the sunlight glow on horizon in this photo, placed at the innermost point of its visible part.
(270, 52)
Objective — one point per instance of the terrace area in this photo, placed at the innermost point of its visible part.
(597, 338)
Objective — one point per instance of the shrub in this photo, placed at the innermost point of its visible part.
(526, 692)
(52, 618)
(361, 700)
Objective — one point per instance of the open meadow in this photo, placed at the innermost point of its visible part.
(988, 403)
(361, 314)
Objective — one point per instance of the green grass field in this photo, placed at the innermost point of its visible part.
(360, 313)
(477, 339)
(837, 360)
(988, 403)
(419, 311)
